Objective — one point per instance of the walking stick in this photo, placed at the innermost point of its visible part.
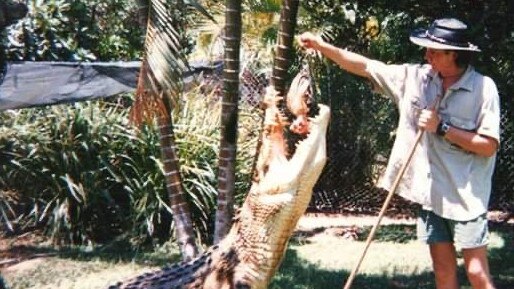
(384, 208)
(388, 200)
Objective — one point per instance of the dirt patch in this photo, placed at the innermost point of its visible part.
(24, 265)
(15, 250)
(30, 250)
(312, 221)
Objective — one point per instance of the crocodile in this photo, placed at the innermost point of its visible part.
(249, 255)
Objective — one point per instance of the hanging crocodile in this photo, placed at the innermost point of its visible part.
(281, 190)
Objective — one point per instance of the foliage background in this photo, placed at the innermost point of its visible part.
(362, 129)
(84, 174)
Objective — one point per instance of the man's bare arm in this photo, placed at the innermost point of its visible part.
(347, 60)
(471, 141)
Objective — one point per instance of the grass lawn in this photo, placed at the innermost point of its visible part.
(326, 261)
(316, 258)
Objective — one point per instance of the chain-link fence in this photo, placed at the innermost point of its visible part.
(348, 183)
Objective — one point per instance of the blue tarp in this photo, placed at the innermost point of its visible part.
(29, 84)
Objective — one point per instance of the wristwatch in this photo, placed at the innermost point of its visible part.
(442, 128)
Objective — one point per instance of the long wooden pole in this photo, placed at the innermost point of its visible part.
(388, 199)
(384, 208)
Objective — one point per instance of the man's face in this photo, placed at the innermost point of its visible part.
(440, 59)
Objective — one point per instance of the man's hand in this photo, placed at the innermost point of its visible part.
(310, 41)
(428, 120)
(349, 61)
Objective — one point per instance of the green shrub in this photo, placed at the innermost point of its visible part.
(83, 173)
(58, 159)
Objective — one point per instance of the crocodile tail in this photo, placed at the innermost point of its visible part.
(183, 275)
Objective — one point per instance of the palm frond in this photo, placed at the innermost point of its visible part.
(197, 6)
(271, 6)
(163, 64)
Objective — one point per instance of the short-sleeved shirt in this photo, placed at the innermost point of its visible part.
(442, 177)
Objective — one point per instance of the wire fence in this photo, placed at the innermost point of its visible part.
(348, 182)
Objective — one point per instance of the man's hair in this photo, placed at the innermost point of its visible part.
(464, 58)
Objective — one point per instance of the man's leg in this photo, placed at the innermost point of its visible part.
(436, 232)
(473, 236)
(477, 267)
(444, 262)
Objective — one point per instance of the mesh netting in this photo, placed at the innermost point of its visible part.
(347, 184)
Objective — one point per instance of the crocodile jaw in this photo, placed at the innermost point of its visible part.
(274, 205)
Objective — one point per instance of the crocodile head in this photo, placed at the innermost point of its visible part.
(282, 189)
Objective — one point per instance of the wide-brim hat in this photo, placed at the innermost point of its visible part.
(446, 33)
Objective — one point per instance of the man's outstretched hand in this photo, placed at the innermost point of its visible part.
(308, 40)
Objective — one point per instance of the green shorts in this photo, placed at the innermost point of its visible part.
(470, 234)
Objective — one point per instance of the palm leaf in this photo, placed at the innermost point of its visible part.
(271, 6)
(200, 9)
(163, 64)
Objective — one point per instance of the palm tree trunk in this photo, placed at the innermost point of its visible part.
(11, 12)
(229, 120)
(142, 12)
(178, 204)
(154, 100)
(284, 56)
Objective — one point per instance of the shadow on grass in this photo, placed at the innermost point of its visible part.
(123, 251)
(115, 252)
(501, 260)
(298, 273)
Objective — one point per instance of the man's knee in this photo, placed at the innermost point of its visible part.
(445, 271)
(476, 274)
(446, 279)
(479, 278)
(477, 267)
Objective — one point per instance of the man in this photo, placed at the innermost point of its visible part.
(450, 173)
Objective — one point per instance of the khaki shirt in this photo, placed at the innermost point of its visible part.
(443, 178)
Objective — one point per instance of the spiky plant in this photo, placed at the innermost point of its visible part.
(54, 166)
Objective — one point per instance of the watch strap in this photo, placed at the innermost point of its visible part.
(442, 128)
